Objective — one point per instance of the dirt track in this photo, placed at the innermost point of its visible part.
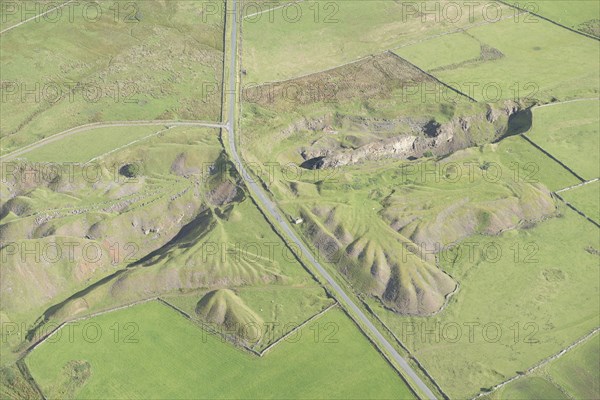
(96, 125)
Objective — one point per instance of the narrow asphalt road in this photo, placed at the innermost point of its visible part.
(271, 208)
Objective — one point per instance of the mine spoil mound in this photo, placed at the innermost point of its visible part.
(391, 255)
(377, 262)
(224, 308)
(411, 212)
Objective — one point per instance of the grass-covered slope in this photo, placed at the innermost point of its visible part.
(570, 132)
(376, 261)
(583, 16)
(382, 229)
(347, 123)
(585, 199)
(537, 60)
(353, 29)
(135, 61)
(180, 222)
(573, 375)
(377, 108)
(224, 307)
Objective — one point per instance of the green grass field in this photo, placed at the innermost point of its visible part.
(130, 64)
(278, 308)
(586, 199)
(570, 132)
(435, 211)
(339, 364)
(526, 162)
(350, 203)
(84, 146)
(573, 375)
(532, 388)
(355, 206)
(545, 64)
(582, 16)
(442, 51)
(353, 29)
(543, 274)
(577, 372)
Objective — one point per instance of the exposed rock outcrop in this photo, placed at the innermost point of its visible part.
(432, 138)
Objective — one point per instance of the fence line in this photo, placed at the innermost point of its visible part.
(539, 364)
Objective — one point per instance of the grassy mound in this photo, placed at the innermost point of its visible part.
(377, 261)
(65, 226)
(494, 209)
(182, 223)
(223, 307)
(383, 229)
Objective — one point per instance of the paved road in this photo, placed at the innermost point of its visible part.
(270, 207)
(96, 125)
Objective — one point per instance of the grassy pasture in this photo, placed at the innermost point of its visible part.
(84, 146)
(523, 60)
(13, 12)
(558, 64)
(443, 51)
(577, 372)
(582, 15)
(533, 165)
(570, 132)
(573, 375)
(279, 308)
(542, 291)
(532, 388)
(275, 49)
(205, 367)
(119, 67)
(543, 274)
(586, 199)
